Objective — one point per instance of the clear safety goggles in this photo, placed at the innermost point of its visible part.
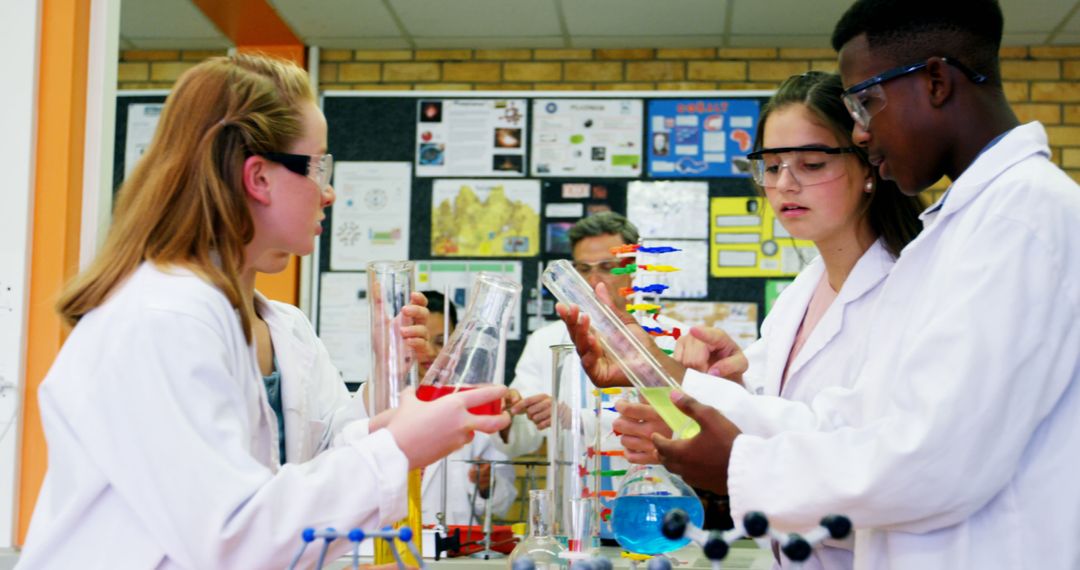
(806, 165)
(319, 167)
(602, 267)
(867, 98)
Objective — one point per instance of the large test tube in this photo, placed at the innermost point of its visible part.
(635, 360)
(573, 427)
(392, 370)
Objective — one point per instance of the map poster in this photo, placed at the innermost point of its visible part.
(485, 218)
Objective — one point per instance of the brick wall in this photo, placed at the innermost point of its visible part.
(1041, 82)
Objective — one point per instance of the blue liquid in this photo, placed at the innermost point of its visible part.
(636, 521)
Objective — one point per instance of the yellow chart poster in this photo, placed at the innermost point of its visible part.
(746, 240)
(485, 218)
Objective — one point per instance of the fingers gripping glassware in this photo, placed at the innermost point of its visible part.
(635, 360)
(475, 352)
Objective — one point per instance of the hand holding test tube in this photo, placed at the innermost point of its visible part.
(614, 351)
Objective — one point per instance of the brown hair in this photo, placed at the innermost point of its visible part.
(893, 216)
(184, 202)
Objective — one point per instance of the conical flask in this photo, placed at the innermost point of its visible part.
(474, 353)
(540, 546)
(647, 494)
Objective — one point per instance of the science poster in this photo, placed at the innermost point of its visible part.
(700, 138)
(470, 137)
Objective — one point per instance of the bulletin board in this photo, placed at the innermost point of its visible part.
(409, 141)
(408, 164)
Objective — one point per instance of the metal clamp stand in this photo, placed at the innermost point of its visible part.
(487, 553)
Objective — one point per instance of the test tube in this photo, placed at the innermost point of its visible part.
(639, 365)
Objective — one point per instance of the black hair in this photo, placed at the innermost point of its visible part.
(892, 215)
(908, 31)
(602, 224)
(436, 303)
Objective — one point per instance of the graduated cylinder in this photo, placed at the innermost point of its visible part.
(393, 368)
(573, 476)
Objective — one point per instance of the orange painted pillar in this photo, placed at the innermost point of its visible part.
(61, 116)
(255, 26)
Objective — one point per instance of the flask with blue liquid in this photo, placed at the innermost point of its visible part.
(647, 494)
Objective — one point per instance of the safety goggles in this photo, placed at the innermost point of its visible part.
(603, 267)
(318, 167)
(807, 165)
(867, 98)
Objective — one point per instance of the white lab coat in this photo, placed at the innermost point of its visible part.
(162, 446)
(532, 376)
(957, 446)
(460, 501)
(824, 361)
(314, 400)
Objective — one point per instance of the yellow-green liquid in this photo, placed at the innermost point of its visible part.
(681, 425)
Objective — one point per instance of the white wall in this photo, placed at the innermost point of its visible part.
(19, 32)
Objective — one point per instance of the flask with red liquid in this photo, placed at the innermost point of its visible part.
(474, 355)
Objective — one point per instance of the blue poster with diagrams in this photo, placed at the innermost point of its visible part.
(700, 138)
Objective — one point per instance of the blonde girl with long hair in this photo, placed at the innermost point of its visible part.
(163, 444)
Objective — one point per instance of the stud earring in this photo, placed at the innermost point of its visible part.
(869, 185)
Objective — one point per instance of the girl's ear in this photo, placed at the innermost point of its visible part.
(256, 180)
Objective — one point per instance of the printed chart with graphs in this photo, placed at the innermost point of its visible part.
(746, 240)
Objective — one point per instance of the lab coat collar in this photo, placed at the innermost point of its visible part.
(296, 361)
(868, 272)
(1015, 146)
(784, 320)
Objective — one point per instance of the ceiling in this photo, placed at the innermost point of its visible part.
(509, 24)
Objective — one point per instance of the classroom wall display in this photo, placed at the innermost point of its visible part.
(690, 281)
(345, 323)
(676, 209)
(739, 320)
(700, 138)
(370, 213)
(587, 137)
(748, 241)
(485, 218)
(141, 124)
(470, 137)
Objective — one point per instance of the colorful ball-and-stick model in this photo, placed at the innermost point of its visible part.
(356, 536)
(797, 548)
(643, 299)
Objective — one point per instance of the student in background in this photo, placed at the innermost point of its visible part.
(823, 189)
(468, 484)
(162, 442)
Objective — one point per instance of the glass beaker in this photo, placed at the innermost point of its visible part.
(389, 285)
(647, 494)
(540, 546)
(572, 459)
(639, 365)
(474, 354)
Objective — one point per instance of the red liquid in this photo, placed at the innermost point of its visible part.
(428, 393)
